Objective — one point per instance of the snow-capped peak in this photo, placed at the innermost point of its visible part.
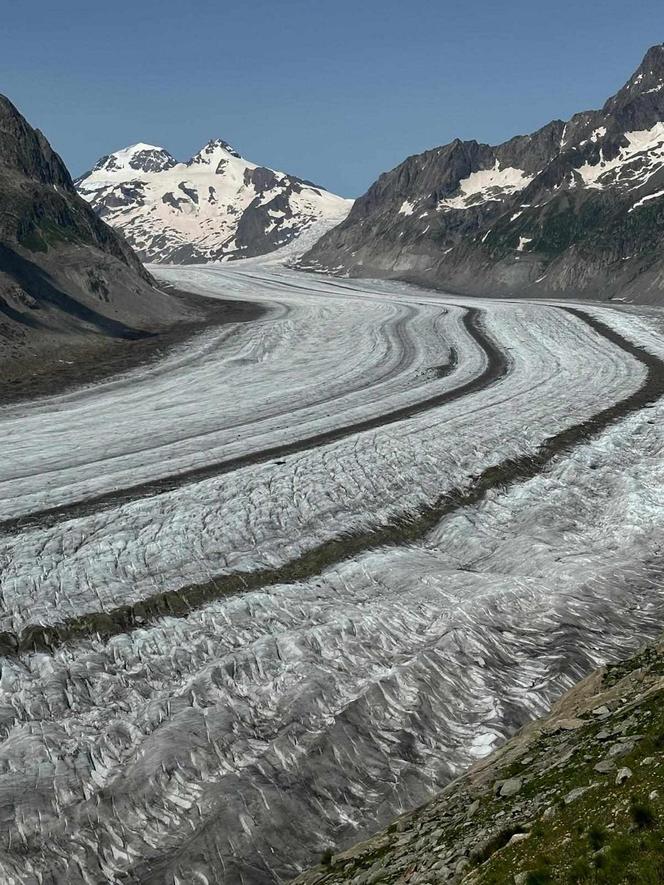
(216, 206)
(139, 157)
(216, 149)
(140, 147)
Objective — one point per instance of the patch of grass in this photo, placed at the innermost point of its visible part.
(649, 657)
(539, 876)
(643, 814)
(596, 837)
(609, 836)
(579, 872)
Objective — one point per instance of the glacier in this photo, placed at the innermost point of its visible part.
(450, 593)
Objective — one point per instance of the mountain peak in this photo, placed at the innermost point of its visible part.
(215, 206)
(141, 147)
(648, 77)
(140, 157)
(25, 149)
(651, 70)
(213, 150)
(653, 60)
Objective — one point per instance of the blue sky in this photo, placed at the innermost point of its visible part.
(333, 91)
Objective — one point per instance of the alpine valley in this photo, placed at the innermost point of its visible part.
(296, 568)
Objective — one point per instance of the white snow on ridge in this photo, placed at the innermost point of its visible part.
(647, 199)
(595, 136)
(634, 164)
(191, 211)
(486, 185)
(122, 158)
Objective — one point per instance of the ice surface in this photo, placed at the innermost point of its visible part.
(236, 743)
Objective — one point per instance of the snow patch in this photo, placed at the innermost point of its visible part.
(487, 185)
(647, 199)
(634, 165)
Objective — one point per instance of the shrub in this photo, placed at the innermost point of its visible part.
(642, 814)
(596, 837)
(579, 872)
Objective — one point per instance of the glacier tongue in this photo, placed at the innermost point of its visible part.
(236, 741)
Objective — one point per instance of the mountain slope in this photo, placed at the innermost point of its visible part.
(576, 797)
(63, 273)
(215, 206)
(576, 207)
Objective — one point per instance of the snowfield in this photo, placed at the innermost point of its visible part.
(438, 513)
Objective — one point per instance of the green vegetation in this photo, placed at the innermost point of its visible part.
(40, 233)
(584, 806)
(596, 223)
(613, 833)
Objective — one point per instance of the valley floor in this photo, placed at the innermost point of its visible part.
(268, 592)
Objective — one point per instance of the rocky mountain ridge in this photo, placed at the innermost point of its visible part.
(215, 206)
(65, 276)
(575, 208)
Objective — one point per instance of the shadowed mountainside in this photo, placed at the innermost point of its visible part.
(66, 278)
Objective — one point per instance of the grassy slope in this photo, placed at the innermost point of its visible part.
(550, 830)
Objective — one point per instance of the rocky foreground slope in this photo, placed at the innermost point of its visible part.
(65, 276)
(215, 206)
(575, 208)
(576, 797)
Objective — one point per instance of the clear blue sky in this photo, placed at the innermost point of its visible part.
(332, 90)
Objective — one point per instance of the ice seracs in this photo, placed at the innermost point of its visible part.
(216, 206)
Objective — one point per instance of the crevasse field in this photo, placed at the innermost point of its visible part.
(264, 594)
